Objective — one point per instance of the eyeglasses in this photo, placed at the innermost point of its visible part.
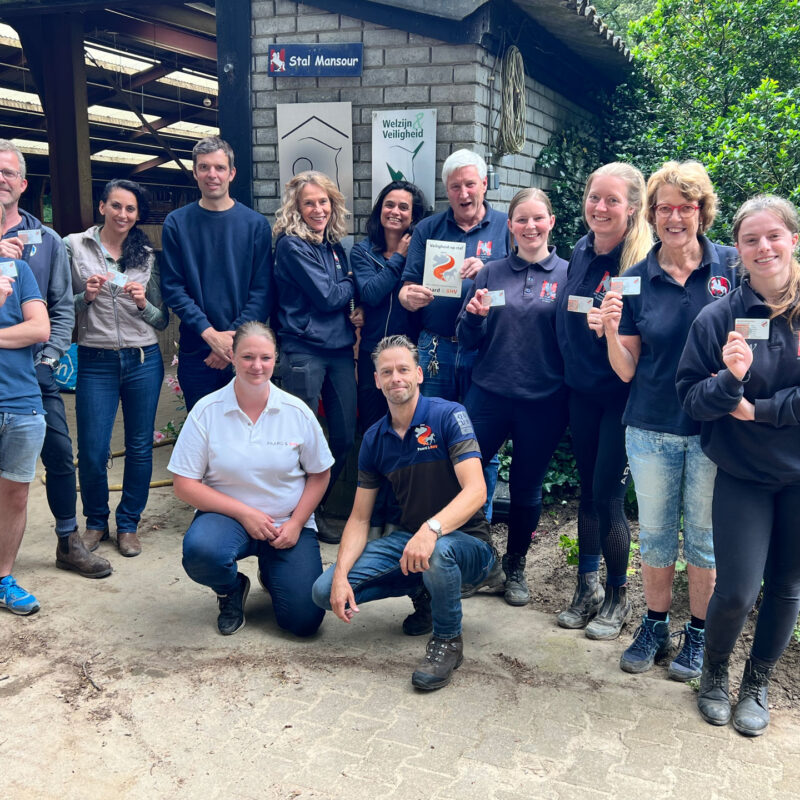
(10, 174)
(664, 210)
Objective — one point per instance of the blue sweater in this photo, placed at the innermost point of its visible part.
(518, 353)
(314, 296)
(379, 281)
(216, 270)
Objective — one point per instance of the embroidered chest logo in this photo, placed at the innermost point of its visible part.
(549, 291)
(602, 287)
(718, 286)
(426, 438)
(484, 250)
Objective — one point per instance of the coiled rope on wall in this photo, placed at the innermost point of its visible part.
(513, 111)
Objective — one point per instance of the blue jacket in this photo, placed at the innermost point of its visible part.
(49, 264)
(518, 353)
(379, 281)
(315, 291)
(765, 450)
(216, 269)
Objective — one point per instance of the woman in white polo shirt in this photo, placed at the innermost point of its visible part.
(252, 459)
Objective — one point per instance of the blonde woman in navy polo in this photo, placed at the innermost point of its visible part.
(742, 381)
(674, 479)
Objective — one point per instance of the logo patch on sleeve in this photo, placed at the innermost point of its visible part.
(464, 422)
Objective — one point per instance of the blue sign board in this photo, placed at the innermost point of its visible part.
(315, 60)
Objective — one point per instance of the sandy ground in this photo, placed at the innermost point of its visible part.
(122, 688)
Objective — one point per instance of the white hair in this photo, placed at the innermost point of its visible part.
(7, 146)
(461, 159)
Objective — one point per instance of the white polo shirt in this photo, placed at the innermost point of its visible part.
(264, 463)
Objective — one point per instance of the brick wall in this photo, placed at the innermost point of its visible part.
(401, 70)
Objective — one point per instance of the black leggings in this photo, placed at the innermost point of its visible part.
(756, 530)
(535, 427)
(598, 442)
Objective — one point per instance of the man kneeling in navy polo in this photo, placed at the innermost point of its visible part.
(427, 449)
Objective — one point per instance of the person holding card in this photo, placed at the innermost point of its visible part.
(317, 312)
(118, 308)
(740, 378)
(378, 262)
(619, 236)
(518, 391)
(674, 479)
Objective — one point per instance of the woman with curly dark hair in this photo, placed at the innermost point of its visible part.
(118, 310)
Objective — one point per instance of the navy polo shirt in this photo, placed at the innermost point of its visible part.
(662, 315)
(420, 466)
(586, 366)
(518, 353)
(19, 389)
(488, 240)
(765, 450)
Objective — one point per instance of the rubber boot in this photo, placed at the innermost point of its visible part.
(586, 602)
(615, 612)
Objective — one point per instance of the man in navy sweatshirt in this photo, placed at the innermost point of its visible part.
(216, 273)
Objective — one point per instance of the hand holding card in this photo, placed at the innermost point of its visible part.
(8, 269)
(33, 236)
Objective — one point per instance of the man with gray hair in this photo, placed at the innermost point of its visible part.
(26, 238)
(216, 273)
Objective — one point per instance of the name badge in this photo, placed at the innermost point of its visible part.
(581, 305)
(752, 328)
(626, 285)
(30, 237)
(494, 299)
(9, 269)
(117, 278)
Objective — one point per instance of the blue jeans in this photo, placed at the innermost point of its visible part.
(62, 494)
(671, 475)
(21, 437)
(196, 379)
(457, 558)
(333, 378)
(214, 543)
(104, 378)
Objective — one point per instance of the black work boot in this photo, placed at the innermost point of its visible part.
(421, 621)
(231, 607)
(516, 588)
(713, 700)
(72, 553)
(614, 613)
(751, 715)
(442, 656)
(586, 602)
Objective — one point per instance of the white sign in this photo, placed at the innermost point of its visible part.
(404, 149)
(443, 261)
(318, 136)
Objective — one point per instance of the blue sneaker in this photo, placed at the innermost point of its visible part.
(688, 664)
(16, 599)
(650, 642)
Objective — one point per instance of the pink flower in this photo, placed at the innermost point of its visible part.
(158, 436)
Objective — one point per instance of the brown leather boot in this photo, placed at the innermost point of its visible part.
(71, 553)
(129, 544)
(93, 536)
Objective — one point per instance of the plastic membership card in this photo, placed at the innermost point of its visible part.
(752, 328)
(630, 285)
(443, 262)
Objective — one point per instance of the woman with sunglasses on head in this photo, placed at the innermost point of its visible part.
(740, 376)
(118, 309)
(646, 326)
(517, 386)
(619, 236)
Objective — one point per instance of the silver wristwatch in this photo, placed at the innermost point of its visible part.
(50, 361)
(435, 526)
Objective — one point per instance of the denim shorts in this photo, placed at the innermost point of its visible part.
(21, 438)
(672, 476)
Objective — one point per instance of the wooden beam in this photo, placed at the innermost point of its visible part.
(146, 165)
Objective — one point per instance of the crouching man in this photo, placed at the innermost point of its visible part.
(427, 449)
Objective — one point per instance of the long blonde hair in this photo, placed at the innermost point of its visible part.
(639, 237)
(788, 301)
(290, 221)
